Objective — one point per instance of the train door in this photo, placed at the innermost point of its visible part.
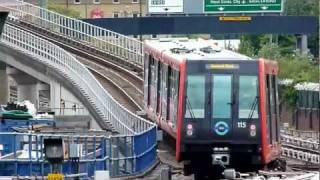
(234, 106)
(221, 109)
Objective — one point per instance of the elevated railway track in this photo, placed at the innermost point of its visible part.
(122, 81)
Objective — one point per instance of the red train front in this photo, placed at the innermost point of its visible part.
(220, 106)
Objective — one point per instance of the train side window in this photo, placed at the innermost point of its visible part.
(271, 105)
(174, 84)
(176, 92)
(153, 90)
(276, 106)
(272, 108)
(268, 113)
(169, 91)
(146, 77)
(155, 86)
(274, 94)
(164, 90)
(150, 79)
(159, 75)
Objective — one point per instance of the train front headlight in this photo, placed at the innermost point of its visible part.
(253, 130)
(189, 130)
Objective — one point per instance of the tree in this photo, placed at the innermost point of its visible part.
(299, 68)
(249, 45)
(306, 8)
(270, 51)
(302, 7)
(286, 42)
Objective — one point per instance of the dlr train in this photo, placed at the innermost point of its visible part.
(221, 107)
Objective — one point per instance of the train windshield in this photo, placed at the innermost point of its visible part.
(195, 96)
(248, 98)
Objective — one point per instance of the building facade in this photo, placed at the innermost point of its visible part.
(104, 8)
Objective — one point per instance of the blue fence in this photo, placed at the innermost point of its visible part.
(120, 155)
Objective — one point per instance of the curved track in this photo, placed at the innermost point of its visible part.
(123, 82)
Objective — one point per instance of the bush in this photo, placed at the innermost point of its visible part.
(298, 68)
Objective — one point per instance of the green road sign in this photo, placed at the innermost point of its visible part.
(242, 6)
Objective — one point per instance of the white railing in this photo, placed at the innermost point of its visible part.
(122, 120)
(301, 155)
(115, 44)
(300, 142)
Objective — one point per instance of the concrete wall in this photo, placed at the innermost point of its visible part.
(4, 86)
(63, 102)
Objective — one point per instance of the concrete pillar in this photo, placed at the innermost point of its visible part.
(4, 85)
(302, 43)
(27, 86)
(29, 91)
(63, 101)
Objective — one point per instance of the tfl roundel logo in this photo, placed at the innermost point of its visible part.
(221, 128)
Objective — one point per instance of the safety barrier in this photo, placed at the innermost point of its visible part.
(304, 143)
(25, 157)
(302, 134)
(301, 155)
(110, 111)
(118, 45)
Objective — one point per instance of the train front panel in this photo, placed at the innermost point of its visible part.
(221, 115)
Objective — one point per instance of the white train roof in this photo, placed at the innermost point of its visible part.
(193, 49)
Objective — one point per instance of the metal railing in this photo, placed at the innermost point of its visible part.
(23, 154)
(302, 134)
(122, 120)
(115, 44)
(301, 155)
(300, 142)
(301, 145)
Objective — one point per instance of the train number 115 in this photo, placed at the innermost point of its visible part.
(242, 124)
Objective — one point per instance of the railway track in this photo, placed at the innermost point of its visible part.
(301, 146)
(120, 79)
(124, 88)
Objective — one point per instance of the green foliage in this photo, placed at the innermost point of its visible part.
(305, 8)
(65, 11)
(269, 51)
(302, 7)
(249, 45)
(298, 68)
(289, 95)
